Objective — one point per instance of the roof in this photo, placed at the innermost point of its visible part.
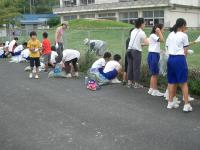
(113, 6)
(35, 18)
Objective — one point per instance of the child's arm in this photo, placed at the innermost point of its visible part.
(160, 35)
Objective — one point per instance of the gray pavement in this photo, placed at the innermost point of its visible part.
(61, 114)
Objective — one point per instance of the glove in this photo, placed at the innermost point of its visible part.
(57, 46)
(190, 51)
(197, 40)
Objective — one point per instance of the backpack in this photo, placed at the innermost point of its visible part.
(92, 85)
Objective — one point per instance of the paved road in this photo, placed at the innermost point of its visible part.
(60, 114)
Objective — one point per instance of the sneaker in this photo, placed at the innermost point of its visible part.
(150, 91)
(175, 99)
(187, 108)
(31, 75)
(137, 86)
(69, 75)
(190, 99)
(36, 76)
(115, 81)
(172, 105)
(76, 74)
(157, 93)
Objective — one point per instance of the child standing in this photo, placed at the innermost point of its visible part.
(46, 50)
(154, 56)
(177, 69)
(34, 47)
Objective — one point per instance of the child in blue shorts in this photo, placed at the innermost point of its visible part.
(153, 58)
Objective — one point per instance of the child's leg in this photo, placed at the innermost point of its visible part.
(184, 88)
(172, 90)
(67, 67)
(154, 82)
(37, 65)
(74, 63)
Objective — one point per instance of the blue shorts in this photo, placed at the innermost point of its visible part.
(109, 75)
(153, 63)
(177, 69)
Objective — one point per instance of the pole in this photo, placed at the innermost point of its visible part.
(30, 7)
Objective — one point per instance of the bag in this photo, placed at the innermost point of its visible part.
(163, 63)
(92, 85)
(57, 72)
(58, 68)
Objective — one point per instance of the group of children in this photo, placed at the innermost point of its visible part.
(176, 44)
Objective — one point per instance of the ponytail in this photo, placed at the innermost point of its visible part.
(180, 22)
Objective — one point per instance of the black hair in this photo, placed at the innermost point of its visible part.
(139, 22)
(180, 22)
(33, 33)
(45, 35)
(107, 55)
(117, 57)
(53, 48)
(4, 44)
(24, 44)
(160, 26)
(16, 39)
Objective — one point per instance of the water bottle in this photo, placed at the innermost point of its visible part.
(86, 80)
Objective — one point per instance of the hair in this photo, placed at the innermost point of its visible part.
(139, 22)
(3, 44)
(180, 22)
(53, 48)
(160, 26)
(107, 55)
(45, 35)
(24, 44)
(33, 33)
(117, 57)
(16, 39)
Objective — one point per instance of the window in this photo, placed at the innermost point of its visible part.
(87, 16)
(86, 2)
(72, 17)
(153, 17)
(128, 17)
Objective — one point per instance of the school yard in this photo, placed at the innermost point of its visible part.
(61, 114)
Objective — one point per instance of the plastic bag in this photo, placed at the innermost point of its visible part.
(57, 72)
(163, 63)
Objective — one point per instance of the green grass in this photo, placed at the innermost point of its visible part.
(114, 33)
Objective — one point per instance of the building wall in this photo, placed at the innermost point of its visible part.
(186, 2)
(105, 1)
(192, 16)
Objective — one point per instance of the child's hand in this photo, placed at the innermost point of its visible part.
(158, 30)
(190, 52)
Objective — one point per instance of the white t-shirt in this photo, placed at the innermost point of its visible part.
(70, 54)
(1, 51)
(11, 45)
(18, 48)
(25, 53)
(100, 63)
(111, 65)
(53, 57)
(136, 39)
(154, 44)
(176, 42)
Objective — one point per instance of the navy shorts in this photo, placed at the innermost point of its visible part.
(109, 75)
(34, 62)
(153, 63)
(177, 69)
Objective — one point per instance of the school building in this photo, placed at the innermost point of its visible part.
(154, 11)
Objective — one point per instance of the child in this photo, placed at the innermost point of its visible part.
(134, 53)
(71, 57)
(34, 47)
(153, 58)
(12, 45)
(100, 63)
(46, 50)
(17, 51)
(177, 69)
(54, 55)
(112, 69)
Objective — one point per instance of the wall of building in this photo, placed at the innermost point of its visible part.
(105, 1)
(186, 2)
(192, 16)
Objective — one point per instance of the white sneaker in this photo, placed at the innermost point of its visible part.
(157, 93)
(150, 91)
(190, 99)
(36, 76)
(115, 81)
(175, 99)
(69, 75)
(172, 105)
(187, 108)
(76, 74)
(31, 75)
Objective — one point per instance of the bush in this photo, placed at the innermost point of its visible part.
(53, 22)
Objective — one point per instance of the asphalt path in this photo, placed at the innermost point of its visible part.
(61, 114)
